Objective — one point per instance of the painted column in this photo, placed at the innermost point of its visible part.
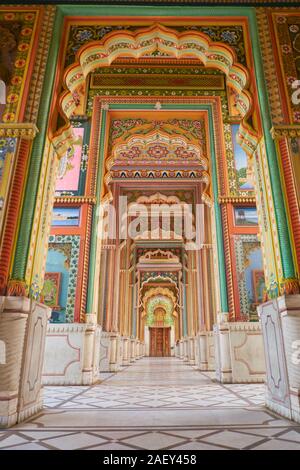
(184, 296)
(32, 184)
(202, 345)
(287, 282)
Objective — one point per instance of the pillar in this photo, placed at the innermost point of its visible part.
(114, 355)
(181, 349)
(186, 349)
(126, 352)
(191, 351)
(132, 350)
(202, 348)
(222, 350)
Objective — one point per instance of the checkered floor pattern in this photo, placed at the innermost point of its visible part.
(156, 403)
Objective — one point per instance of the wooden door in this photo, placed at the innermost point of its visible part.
(160, 342)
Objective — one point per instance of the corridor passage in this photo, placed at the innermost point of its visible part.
(156, 403)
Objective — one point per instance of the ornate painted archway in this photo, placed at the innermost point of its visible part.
(140, 43)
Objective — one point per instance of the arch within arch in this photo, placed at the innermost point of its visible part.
(162, 292)
(144, 41)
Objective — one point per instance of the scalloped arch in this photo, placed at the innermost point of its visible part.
(159, 292)
(144, 41)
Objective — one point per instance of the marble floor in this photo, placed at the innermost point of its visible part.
(156, 403)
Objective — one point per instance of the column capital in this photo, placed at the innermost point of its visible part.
(289, 286)
(17, 288)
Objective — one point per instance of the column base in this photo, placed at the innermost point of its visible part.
(23, 325)
(126, 347)
(247, 352)
(115, 360)
(280, 320)
(72, 354)
(202, 362)
(222, 350)
(185, 350)
(132, 350)
(181, 349)
(191, 351)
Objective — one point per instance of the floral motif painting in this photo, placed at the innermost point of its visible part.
(232, 35)
(51, 289)
(69, 166)
(17, 34)
(287, 30)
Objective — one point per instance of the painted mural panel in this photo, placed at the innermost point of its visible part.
(73, 165)
(250, 276)
(245, 216)
(242, 168)
(65, 216)
(69, 166)
(61, 270)
(51, 290)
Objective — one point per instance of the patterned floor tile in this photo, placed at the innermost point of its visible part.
(276, 444)
(29, 446)
(156, 403)
(290, 436)
(12, 440)
(233, 440)
(196, 446)
(153, 441)
(111, 446)
(74, 441)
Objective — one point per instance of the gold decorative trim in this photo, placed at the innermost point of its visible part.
(75, 199)
(25, 130)
(232, 119)
(38, 74)
(234, 200)
(267, 52)
(279, 132)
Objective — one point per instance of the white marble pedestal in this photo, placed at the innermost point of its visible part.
(191, 351)
(126, 351)
(23, 325)
(72, 353)
(280, 319)
(132, 350)
(239, 354)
